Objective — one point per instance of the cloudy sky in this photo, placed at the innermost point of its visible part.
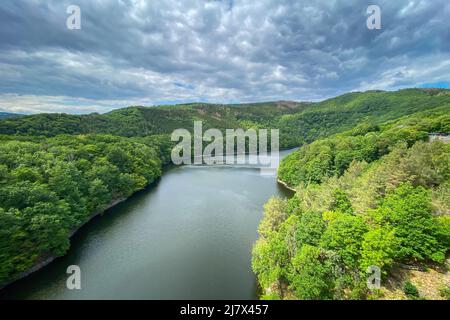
(136, 52)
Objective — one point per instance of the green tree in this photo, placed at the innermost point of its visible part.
(340, 202)
(344, 235)
(310, 228)
(99, 194)
(274, 215)
(379, 248)
(408, 211)
(270, 258)
(311, 274)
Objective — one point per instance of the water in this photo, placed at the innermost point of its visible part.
(189, 236)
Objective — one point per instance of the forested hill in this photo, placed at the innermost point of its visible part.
(57, 170)
(299, 123)
(143, 121)
(4, 115)
(346, 111)
(376, 196)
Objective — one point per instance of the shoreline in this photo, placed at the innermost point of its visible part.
(44, 261)
(284, 184)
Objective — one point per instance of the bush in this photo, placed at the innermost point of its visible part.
(445, 292)
(311, 274)
(410, 290)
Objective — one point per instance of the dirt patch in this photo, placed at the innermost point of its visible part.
(429, 282)
(287, 104)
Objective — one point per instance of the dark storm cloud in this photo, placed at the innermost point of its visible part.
(146, 52)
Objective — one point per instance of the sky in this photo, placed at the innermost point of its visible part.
(135, 52)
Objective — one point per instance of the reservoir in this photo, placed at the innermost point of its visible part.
(188, 236)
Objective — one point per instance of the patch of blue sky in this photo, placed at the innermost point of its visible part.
(439, 85)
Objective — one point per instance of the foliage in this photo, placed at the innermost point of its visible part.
(299, 123)
(408, 212)
(445, 292)
(310, 229)
(379, 247)
(316, 162)
(270, 258)
(48, 187)
(370, 196)
(371, 190)
(341, 203)
(274, 215)
(311, 275)
(410, 290)
(344, 236)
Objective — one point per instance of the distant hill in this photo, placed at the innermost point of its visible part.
(143, 121)
(299, 123)
(4, 115)
(375, 195)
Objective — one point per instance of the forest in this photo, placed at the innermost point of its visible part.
(376, 195)
(51, 186)
(299, 123)
(364, 168)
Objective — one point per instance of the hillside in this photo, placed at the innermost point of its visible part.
(142, 121)
(368, 142)
(51, 186)
(373, 196)
(57, 170)
(344, 112)
(5, 115)
(299, 123)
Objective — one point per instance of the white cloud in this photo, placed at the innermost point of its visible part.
(146, 52)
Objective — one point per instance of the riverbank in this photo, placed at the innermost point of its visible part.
(46, 260)
(284, 184)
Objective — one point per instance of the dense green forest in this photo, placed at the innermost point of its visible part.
(4, 115)
(50, 186)
(376, 195)
(299, 123)
(58, 170)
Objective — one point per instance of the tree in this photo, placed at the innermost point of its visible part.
(99, 194)
(341, 203)
(270, 258)
(129, 183)
(118, 157)
(344, 235)
(311, 274)
(48, 187)
(274, 215)
(310, 229)
(49, 234)
(408, 211)
(11, 232)
(379, 247)
(4, 174)
(23, 173)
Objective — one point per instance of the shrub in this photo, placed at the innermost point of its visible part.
(445, 292)
(410, 290)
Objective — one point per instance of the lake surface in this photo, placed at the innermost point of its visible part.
(189, 236)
